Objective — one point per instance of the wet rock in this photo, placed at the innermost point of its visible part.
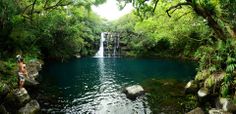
(133, 91)
(17, 99)
(30, 82)
(229, 106)
(203, 92)
(218, 111)
(191, 87)
(78, 56)
(196, 111)
(3, 110)
(33, 67)
(30, 108)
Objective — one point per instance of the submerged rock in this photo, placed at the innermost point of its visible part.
(133, 91)
(196, 111)
(30, 108)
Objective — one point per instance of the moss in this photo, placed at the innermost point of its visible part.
(202, 75)
(209, 82)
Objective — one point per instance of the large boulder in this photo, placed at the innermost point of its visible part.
(17, 99)
(133, 91)
(33, 68)
(191, 87)
(30, 108)
(196, 111)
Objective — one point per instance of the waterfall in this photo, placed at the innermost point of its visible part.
(100, 53)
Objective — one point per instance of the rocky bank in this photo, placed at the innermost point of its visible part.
(14, 100)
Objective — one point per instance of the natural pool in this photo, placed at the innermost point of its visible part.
(94, 85)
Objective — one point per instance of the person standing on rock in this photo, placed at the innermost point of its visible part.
(22, 72)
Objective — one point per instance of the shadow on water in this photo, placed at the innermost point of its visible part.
(91, 85)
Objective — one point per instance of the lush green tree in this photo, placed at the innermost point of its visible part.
(51, 28)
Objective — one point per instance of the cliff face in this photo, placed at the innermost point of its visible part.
(20, 99)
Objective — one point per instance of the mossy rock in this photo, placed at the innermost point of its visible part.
(16, 98)
(30, 108)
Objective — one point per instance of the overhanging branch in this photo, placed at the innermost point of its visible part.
(59, 3)
(177, 6)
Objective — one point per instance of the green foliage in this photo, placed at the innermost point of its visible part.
(156, 35)
(55, 29)
(224, 90)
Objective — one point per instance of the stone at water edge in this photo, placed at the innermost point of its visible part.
(17, 98)
(191, 87)
(196, 111)
(218, 111)
(31, 82)
(133, 91)
(22, 95)
(30, 108)
(203, 92)
(229, 106)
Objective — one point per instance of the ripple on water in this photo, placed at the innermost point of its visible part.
(93, 86)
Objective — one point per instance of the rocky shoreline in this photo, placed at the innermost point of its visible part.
(18, 100)
(207, 88)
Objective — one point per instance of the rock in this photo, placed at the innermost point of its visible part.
(4, 90)
(22, 95)
(218, 111)
(30, 82)
(133, 91)
(196, 111)
(3, 110)
(78, 56)
(33, 67)
(229, 106)
(203, 92)
(17, 99)
(219, 102)
(191, 87)
(30, 108)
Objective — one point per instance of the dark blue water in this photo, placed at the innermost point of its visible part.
(92, 85)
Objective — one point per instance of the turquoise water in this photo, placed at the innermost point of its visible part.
(93, 85)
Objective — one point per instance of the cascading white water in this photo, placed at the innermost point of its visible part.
(100, 54)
